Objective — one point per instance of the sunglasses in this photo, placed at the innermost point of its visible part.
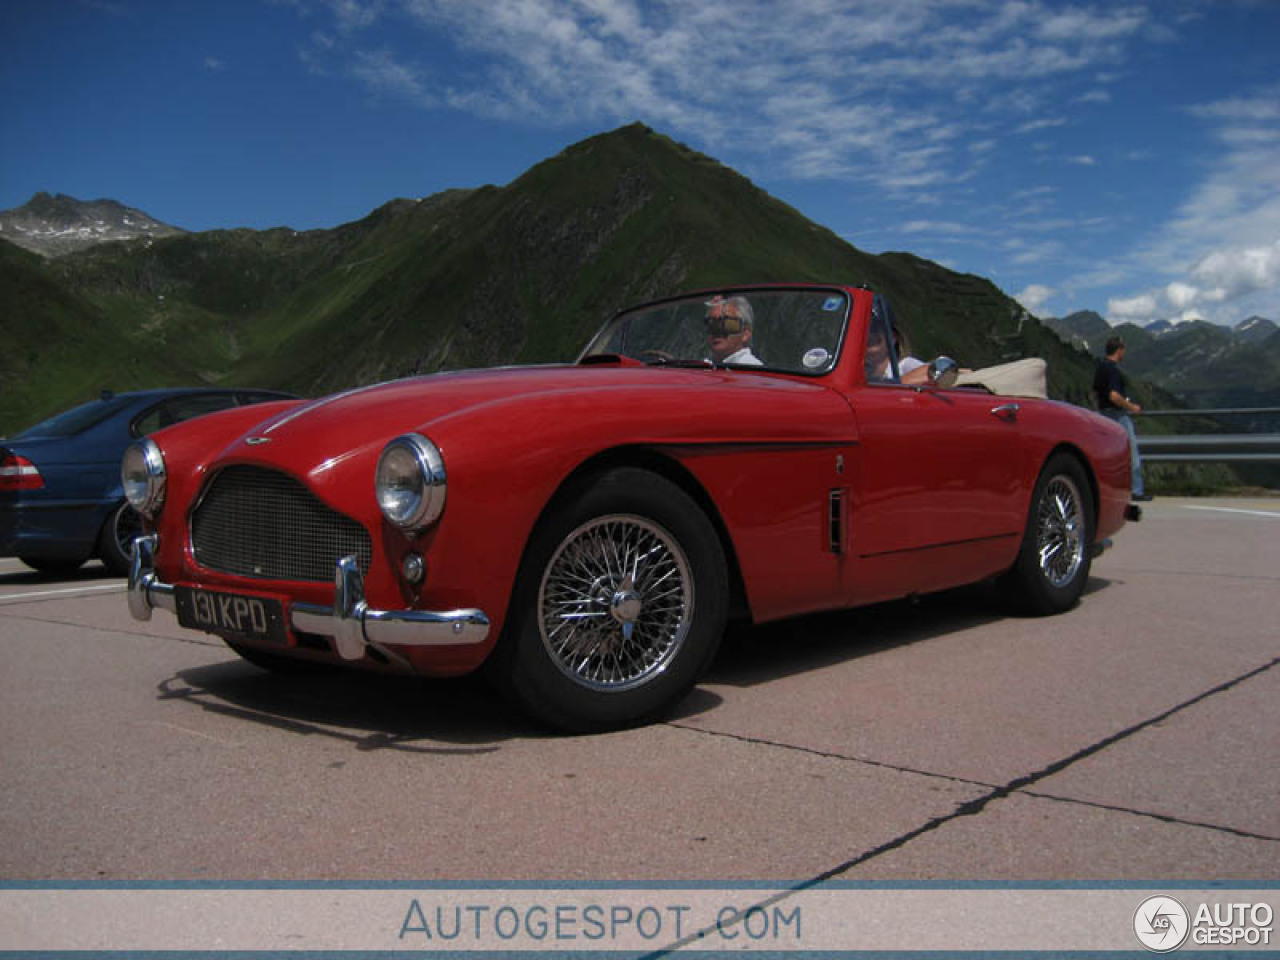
(724, 325)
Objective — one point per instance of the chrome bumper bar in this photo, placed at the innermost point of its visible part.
(351, 622)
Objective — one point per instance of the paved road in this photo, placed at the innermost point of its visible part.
(1132, 738)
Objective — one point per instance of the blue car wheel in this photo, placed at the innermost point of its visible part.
(115, 543)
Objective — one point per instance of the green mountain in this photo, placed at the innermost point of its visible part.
(1082, 329)
(495, 275)
(1255, 329)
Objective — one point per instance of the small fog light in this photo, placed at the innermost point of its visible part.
(413, 568)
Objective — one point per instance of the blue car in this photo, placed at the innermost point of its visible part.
(61, 500)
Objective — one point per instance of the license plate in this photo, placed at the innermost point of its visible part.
(260, 618)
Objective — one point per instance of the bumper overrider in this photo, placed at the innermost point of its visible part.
(351, 622)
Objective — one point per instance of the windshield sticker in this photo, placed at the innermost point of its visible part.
(815, 358)
(833, 303)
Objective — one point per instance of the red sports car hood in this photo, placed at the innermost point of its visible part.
(509, 417)
(345, 424)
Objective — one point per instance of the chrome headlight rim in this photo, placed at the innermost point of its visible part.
(413, 510)
(143, 476)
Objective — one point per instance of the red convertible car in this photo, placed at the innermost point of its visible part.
(584, 531)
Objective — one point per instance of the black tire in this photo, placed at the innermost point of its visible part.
(53, 566)
(618, 608)
(115, 542)
(1053, 563)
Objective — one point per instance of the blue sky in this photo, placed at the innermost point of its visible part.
(1118, 157)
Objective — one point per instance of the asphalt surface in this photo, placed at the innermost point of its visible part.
(1136, 737)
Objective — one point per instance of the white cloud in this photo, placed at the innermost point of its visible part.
(354, 15)
(384, 75)
(1181, 295)
(941, 227)
(1240, 271)
(1137, 309)
(1076, 24)
(1222, 244)
(1034, 296)
(1044, 252)
(876, 99)
(1044, 123)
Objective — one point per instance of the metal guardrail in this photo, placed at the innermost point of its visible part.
(1211, 447)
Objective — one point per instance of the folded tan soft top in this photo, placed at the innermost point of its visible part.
(1022, 378)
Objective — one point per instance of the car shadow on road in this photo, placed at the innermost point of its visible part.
(458, 716)
(466, 715)
(758, 654)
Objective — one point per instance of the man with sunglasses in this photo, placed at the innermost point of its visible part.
(729, 321)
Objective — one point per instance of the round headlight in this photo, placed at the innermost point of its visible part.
(410, 483)
(143, 476)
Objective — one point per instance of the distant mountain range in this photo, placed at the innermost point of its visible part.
(1207, 365)
(55, 225)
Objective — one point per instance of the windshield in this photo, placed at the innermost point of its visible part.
(77, 419)
(795, 331)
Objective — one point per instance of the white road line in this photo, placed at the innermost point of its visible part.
(4, 597)
(1274, 514)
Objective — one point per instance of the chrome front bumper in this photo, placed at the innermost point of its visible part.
(351, 622)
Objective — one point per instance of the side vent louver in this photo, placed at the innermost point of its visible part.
(837, 524)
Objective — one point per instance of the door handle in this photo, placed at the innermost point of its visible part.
(1006, 411)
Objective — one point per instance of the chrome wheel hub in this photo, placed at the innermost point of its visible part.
(626, 606)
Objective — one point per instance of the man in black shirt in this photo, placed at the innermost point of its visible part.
(1109, 388)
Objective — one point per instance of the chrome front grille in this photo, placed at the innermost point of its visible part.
(259, 523)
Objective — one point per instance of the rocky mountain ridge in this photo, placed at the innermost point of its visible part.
(53, 225)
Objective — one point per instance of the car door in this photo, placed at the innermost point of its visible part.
(937, 496)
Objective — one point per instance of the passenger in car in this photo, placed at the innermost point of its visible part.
(878, 368)
(910, 369)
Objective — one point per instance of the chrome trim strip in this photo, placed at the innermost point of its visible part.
(350, 621)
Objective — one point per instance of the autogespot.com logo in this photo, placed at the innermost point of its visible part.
(1161, 924)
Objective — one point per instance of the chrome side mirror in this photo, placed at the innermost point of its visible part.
(943, 372)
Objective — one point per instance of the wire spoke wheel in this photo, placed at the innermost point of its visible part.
(619, 605)
(1052, 568)
(1060, 532)
(615, 603)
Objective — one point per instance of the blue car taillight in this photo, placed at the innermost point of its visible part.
(19, 473)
